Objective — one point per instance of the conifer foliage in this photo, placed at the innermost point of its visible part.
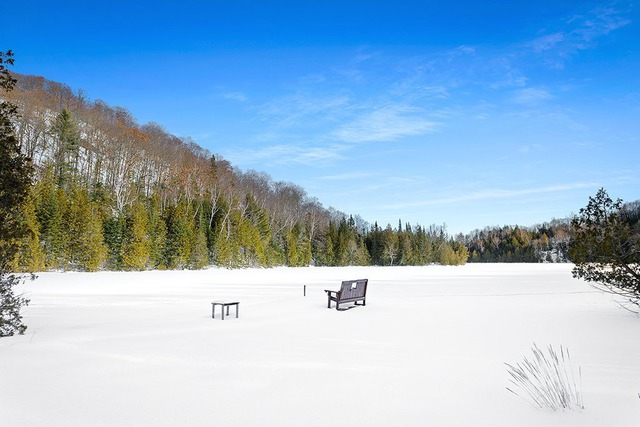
(606, 247)
(15, 182)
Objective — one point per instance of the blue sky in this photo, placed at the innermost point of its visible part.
(465, 113)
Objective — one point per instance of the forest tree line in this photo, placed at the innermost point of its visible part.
(547, 242)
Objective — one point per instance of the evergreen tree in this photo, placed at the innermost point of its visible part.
(67, 150)
(157, 233)
(291, 248)
(15, 181)
(136, 246)
(374, 245)
(199, 257)
(331, 256)
(113, 230)
(51, 203)
(422, 247)
(405, 248)
(32, 257)
(605, 248)
(180, 235)
(85, 249)
(257, 233)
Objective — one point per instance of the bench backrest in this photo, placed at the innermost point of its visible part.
(353, 289)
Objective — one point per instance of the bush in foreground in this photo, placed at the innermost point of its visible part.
(10, 305)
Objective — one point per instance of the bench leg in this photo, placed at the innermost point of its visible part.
(223, 312)
(213, 311)
(237, 308)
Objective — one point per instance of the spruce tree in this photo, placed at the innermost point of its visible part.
(85, 249)
(157, 229)
(291, 248)
(114, 231)
(251, 250)
(136, 248)
(15, 181)
(67, 150)
(32, 257)
(199, 257)
(180, 235)
(50, 205)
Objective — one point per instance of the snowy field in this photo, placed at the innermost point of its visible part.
(141, 349)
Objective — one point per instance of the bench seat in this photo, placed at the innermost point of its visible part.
(350, 291)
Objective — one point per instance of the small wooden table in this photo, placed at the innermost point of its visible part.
(223, 304)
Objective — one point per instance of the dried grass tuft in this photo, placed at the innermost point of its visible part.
(547, 380)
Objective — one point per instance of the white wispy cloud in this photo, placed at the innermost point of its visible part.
(387, 123)
(579, 32)
(290, 153)
(547, 41)
(491, 194)
(598, 22)
(463, 50)
(531, 95)
(301, 108)
(376, 97)
(416, 88)
(235, 96)
(347, 176)
(532, 148)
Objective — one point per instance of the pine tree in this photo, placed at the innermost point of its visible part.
(330, 256)
(605, 248)
(50, 205)
(32, 257)
(85, 249)
(305, 256)
(113, 230)
(67, 150)
(15, 181)
(136, 247)
(157, 229)
(291, 248)
(375, 245)
(96, 250)
(180, 235)
(199, 257)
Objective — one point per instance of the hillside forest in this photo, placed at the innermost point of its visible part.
(112, 194)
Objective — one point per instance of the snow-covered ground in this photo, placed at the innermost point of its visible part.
(428, 349)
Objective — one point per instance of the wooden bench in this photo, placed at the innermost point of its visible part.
(350, 291)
